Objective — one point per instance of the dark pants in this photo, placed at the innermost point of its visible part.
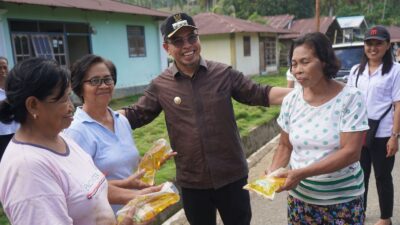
(4, 139)
(231, 201)
(383, 175)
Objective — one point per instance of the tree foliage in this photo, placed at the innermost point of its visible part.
(376, 12)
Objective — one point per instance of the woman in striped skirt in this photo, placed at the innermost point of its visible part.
(322, 128)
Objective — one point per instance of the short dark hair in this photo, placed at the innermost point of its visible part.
(113, 69)
(36, 77)
(4, 58)
(80, 68)
(322, 47)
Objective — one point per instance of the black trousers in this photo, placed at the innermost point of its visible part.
(4, 139)
(383, 175)
(231, 201)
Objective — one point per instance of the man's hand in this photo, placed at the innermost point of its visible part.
(277, 94)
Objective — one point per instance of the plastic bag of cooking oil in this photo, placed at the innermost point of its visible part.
(266, 186)
(150, 205)
(151, 161)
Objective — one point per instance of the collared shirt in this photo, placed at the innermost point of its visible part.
(379, 94)
(200, 121)
(114, 153)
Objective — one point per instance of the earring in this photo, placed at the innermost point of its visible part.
(34, 116)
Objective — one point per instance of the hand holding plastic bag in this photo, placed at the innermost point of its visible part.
(127, 220)
(267, 185)
(153, 159)
(150, 205)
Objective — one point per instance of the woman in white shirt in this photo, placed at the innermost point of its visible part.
(378, 78)
(322, 127)
(6, 130)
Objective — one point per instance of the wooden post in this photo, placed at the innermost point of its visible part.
(317, 15)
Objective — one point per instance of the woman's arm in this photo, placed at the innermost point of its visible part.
(131, 182)
(393, 143)
(117, 195)
(282, 153)
(349, 152)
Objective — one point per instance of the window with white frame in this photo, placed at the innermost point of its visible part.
(48, 40)
(136, 41)
(270, 49)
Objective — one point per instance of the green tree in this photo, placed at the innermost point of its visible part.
(257, 18)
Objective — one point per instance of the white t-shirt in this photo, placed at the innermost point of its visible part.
(379, 93)
(39, 186)
(314, 133)
(7, 128)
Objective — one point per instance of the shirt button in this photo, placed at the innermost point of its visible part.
(177, 100)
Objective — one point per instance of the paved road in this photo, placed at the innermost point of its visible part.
(274, 212)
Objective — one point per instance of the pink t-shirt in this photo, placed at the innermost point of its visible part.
(39, 186)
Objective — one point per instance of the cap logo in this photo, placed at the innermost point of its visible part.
(179, 24)
(177, 17)
(373, 32)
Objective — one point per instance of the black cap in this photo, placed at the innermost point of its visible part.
(377, 33)
(175, 22)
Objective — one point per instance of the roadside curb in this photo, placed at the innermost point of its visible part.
(179, 218)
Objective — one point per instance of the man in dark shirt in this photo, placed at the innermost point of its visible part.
(195, 95)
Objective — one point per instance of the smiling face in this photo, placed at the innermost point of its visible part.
(376, 49)
(101, 94)
(3, 68)
(54, 114)
(306, 66)
(187, 56)
(3, 71)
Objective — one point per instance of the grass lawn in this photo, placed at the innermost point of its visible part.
(247, 117)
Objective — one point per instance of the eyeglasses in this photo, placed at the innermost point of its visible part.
(98, 81)
(180, 41)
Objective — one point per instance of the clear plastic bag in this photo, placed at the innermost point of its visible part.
(150, 205)
(266, 186)
(151, 161)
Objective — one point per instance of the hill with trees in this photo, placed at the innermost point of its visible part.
(376, 12)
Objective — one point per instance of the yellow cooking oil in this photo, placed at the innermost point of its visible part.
(154, 206)
(150, 205)
(151, 161)
(266, 186)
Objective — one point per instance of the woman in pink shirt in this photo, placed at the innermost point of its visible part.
(46, 178)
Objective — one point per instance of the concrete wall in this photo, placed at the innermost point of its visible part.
(259, 136)
(216, 47)
(248, 65)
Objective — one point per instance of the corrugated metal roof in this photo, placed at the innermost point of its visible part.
(279, 21)
(97, 5)
(211, 23)
(350, 21)
(303, 26)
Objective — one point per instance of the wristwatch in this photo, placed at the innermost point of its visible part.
(396, 134)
